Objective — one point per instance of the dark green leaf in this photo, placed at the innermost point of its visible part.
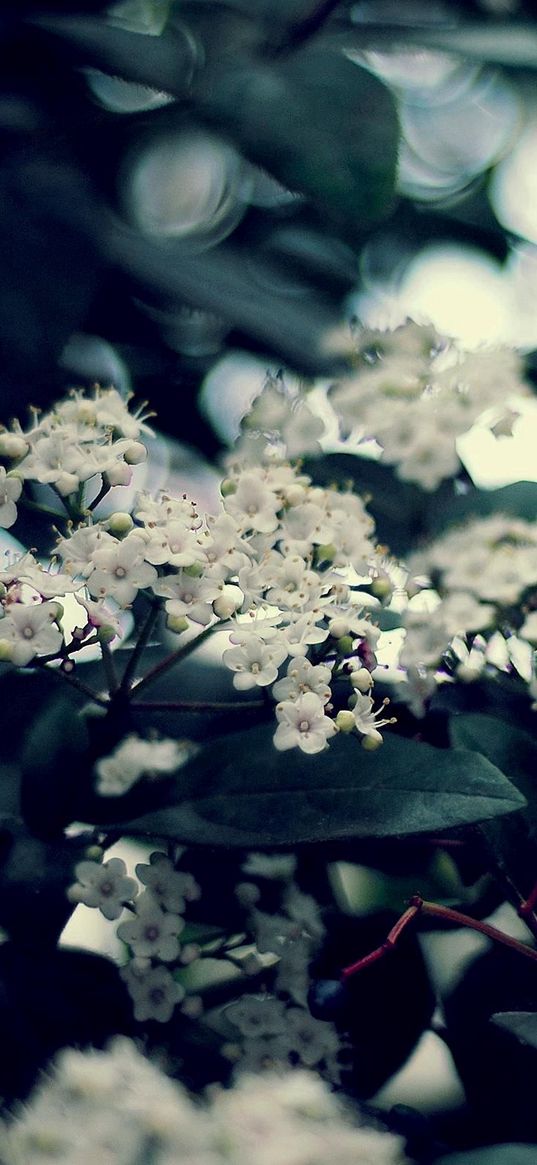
(321, 124)
(447, 508)
(219, 280)
(509, 748)
(522, 1024)
(242, 791)
(162, 62)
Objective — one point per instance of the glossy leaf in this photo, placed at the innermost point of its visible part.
(321, 124)
(511, 749)
(242, 791)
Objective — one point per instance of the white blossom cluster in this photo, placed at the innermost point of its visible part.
(118, 1107)
(79, 438)
(151, 932)
(480, 577)
(281, 566)
(272, 1029)
(416, 392)
(134, 758)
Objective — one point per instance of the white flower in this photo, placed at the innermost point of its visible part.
(28, 630)
(254, 663)
(253, 505)
(170, 887)
(303, 633)
(10, 492)
(366, 720)
(270, 865)
(104, 886)
(120, 571)
(153, 932)
(155, 994)
(303, 724)
(312, 1039)
(135, 757)
(257, 1015)
(188, 597)
(303, 676)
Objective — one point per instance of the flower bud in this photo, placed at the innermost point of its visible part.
(228, 487)
(229, 601)
(338, 627)
(195, 570)
(120, 523)
(372, 741)
(11, 445)
(326, 553)
(345, 721)
(361, 680)
(177, 623)
(57, 611)
(105, 634)
(94, 853)
(381, 587)
(345, 645)
(136, 453)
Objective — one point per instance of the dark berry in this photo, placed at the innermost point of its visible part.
(328, 999)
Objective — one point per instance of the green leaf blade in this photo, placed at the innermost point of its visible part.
(241, 792)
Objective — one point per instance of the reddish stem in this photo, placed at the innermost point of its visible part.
(385, 947)
(433, 910)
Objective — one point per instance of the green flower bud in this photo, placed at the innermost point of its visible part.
(345, 721)
(326, 553)
(11, 445)
(105, 634)
(177, 623)
(372, 741)
(228, 487)
(345, 644)
(120, 523)
(94, 853)
(195, 570)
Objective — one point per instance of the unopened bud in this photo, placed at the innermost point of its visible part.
(372, 741)
(120, 523)
(195, 570)
(11, 445)
(345, 721)
(136, 453)
(229, 601)
(326, 553)
(381, 587)
(345, 645)
(94, 853)
(177, 623)
(361, 680)
(106, 633)
(228, 487)
(338, 627)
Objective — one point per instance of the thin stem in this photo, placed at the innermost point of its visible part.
(197, 705)
(418, 905)
(434, 910)
(109, 669)
(385, 947)
(72, 679)
(171, 660)
(139, 647)
(38, 508)
(105, 488)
